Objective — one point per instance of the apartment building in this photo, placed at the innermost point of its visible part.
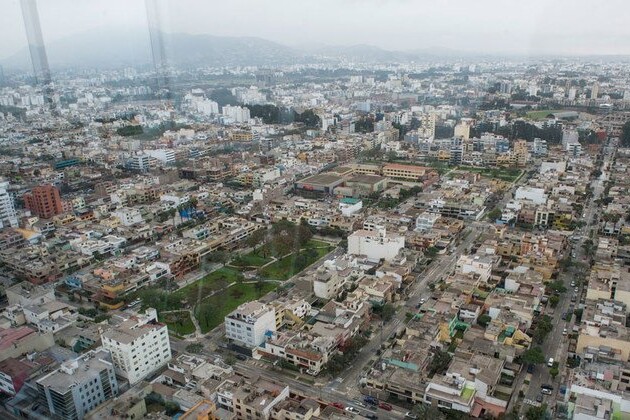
(8, 215)
(249, 323)
(79, 385)
(44, 201)
(139, 346)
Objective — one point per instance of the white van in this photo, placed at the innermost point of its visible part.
(550, 362)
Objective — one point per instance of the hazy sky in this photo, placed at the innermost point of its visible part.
(503, 26)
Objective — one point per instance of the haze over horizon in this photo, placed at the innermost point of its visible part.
(487, 26)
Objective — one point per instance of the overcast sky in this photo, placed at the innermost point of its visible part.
(494, 26)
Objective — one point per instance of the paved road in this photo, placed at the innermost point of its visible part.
(317, 390)
(556, 344)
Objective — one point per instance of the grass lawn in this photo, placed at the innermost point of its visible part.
(178, 322)
(249, 260)
(541, 115)
(214, 281)
(504, 174)
(213, 310)
(291, 265)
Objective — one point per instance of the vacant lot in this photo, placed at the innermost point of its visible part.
(504, 174)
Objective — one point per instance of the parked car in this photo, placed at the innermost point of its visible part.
(550, 362)
(385, 406)
(539, 398)
(241, 357)
(338, 405)
(564, 332)
(370, 400)
(351, 409)
(371, 416)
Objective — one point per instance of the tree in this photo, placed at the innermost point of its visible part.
(494, 214)
(553, 301)
(554, 371)
(439, 363)
(557, 286)
(484, 320)
(387, 312)
(536, 413)
(427, 411)
(533, 356)
(259, 287)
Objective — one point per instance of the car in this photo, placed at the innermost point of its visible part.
(550, 362)
(371, 416)
(572, 284)
(564, 332)
(370, 400)
(241, 357)
(577, 289)
(338, 405)
(351, 409)
(410, 415)
(546, 386)
(539, 398)
(530, 369)
(385, 406)
(422, 301)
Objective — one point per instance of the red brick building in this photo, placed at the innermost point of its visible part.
(44, 201)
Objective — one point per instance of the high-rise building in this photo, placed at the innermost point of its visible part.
(8, 216)
(595, 90)
(79, 385)
(139, 346)
(44, 201)
(427, 127)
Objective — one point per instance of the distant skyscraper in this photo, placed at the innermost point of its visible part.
(36, 46)
(1, 76)
(595, 91)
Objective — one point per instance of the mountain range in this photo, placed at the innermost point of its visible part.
(114, 49)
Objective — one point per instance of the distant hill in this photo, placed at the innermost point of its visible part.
(118, 48)
(123, 48)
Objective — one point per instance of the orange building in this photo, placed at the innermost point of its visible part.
(44, 201)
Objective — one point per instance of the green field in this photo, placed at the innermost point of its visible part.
(289, 266)
(504, 174)
(212, 311)
(178, 322)
(214, 281)
(541, 115)
(253, 259)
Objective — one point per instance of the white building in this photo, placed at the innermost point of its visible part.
(375, 245)
(535, 195)
(139, 163)
(128, 216)
(8, 216)
(79, 385)
(427, 126)
(236, 114)
(349, 207)
(248, 323)
(165, 156)
(426, 220)
(139, 346)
